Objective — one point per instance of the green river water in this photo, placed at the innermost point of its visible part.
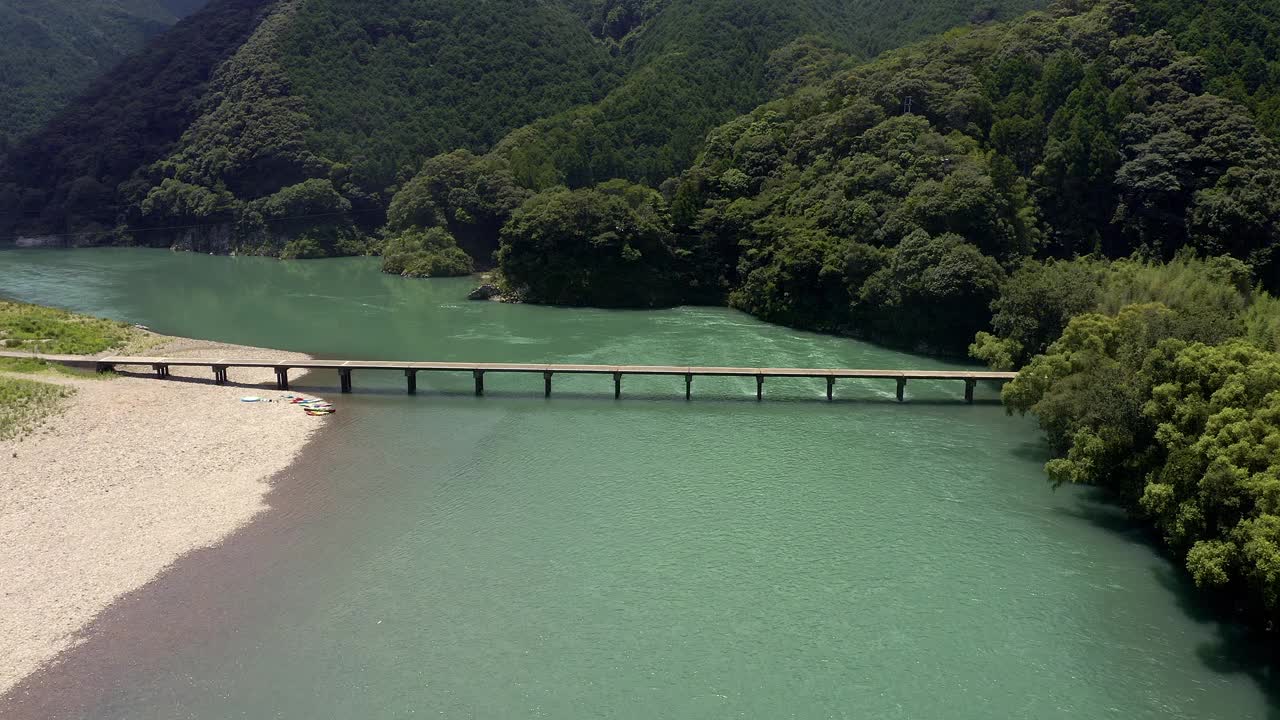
(580, 557)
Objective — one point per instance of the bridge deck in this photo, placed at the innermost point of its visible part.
(555, 368)
(282, 366)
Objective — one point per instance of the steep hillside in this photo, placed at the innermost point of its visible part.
(66, 178)
(50, 50)
(891, 200)
(351, 98)
(1239, 42)
(406, 79)
(699, 62)
(687, 68)
(323, 91)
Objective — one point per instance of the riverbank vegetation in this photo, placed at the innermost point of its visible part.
(1182, 431)
(33, 366)
(608, 246)
(46, 330)
(425, 253)
(24, 401)
(1160, 383)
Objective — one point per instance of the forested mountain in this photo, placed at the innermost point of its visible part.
(841, 206)
(50, 50)
(407, 79)
(67, 178)
(327, 107)
(699, 63)
(1239, 43)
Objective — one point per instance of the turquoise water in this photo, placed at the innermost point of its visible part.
(581, 557)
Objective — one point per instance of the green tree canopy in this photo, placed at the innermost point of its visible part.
(607, 246)
(425, 253)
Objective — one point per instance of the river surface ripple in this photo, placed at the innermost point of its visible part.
(581, 557)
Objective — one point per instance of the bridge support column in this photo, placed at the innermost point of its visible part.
(831, 388)
(617, 385)
(411, 379)
(344, 380)
(546, 384)
(282, 378)
(902, 388)
(162, 371)
(969, 385)
(759, 387)
(479, 382)
(219, 374)
(105, 367)
(688, 386)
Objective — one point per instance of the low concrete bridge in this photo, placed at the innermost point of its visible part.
(221, 366)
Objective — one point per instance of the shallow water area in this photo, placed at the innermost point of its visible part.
(581, 556)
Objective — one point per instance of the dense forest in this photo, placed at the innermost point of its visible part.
(408, 80)
(1239, 43)
(50, 50)
(894, 199)
(72, 176)
(1062, 134)
(699, 63)
(326, 108)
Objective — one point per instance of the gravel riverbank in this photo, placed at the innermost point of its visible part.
(133, 474)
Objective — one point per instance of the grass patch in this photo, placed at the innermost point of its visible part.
(32, 366)
(57, 332)
(24, 403)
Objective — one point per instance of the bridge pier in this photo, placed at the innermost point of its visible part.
(344, 380)
(759, 387)
(688, 386)
(617, 385)
(902, 388)
(969, 385)
(411, 379)
(479, 375)
(219, 374)
(282, 378)
(162, 371)
(546, 383)
(105, 367)
(831, 387)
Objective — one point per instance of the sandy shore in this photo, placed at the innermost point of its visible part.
(136, 472)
